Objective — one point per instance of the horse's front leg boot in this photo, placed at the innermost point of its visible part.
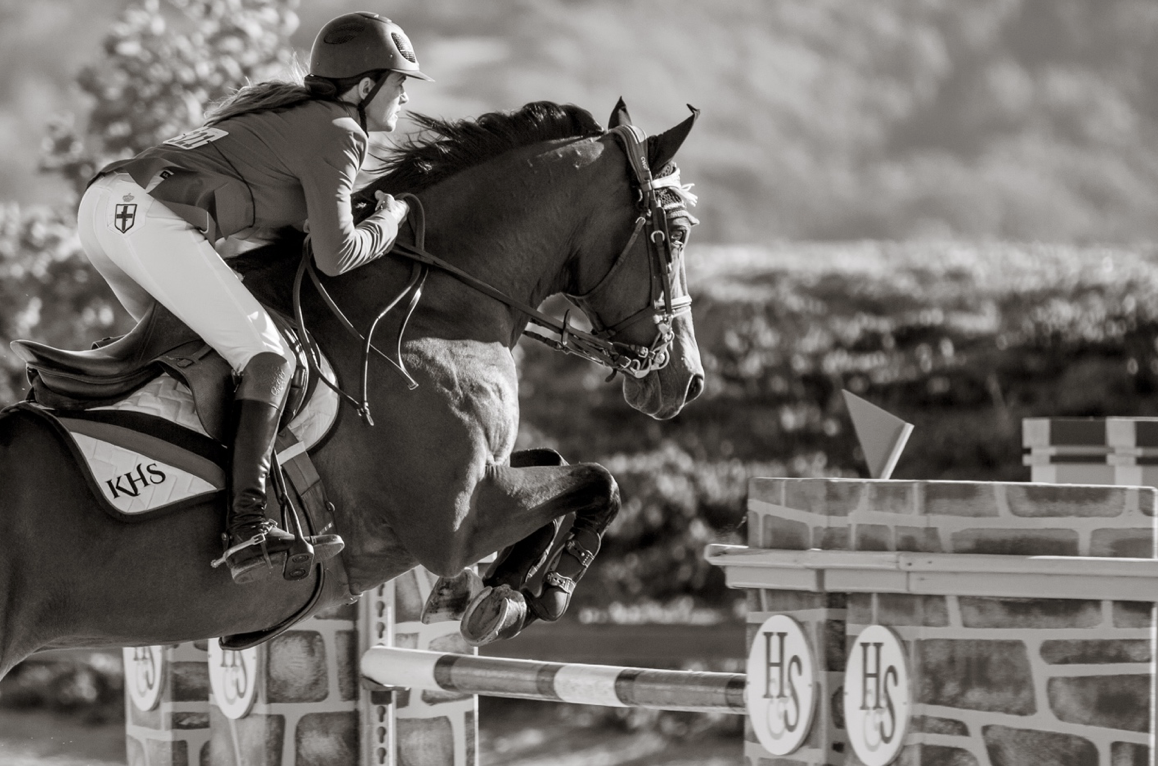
(494, 614)
(450, 597)
(555, 598)
(569, 566)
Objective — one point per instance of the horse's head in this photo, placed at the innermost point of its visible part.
(641, 304)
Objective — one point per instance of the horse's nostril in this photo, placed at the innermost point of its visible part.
(695, 388)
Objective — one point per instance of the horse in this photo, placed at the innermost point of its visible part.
(506, 210)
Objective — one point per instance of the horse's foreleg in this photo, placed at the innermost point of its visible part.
(519, 503)
(515, 564)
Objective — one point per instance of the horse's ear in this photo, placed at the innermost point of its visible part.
(619, 115)
(661, 148)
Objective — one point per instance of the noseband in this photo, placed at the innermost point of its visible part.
(597, 346)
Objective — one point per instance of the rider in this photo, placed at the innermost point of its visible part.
(271, 155)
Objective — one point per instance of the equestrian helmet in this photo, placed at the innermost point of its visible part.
(355, 44)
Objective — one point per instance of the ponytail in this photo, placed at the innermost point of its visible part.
(273, 95)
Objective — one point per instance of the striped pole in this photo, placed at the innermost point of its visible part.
(605, 685)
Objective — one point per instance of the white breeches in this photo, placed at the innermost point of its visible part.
(148, 253)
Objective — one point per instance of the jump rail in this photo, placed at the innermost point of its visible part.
(606, 685)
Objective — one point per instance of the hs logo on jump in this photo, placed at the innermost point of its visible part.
(781, 685)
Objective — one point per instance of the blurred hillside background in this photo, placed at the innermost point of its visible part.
(946, 207)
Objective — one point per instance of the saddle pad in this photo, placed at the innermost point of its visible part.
(138, 472)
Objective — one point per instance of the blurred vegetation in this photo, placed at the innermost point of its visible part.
(48, 290)
(87, 685)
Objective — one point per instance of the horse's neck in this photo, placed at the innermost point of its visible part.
(518, 247)
(516, 223)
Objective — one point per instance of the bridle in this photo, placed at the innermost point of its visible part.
(599, 345)
(664, 263)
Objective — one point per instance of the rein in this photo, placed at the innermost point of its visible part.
(313, 353)
(597, 346)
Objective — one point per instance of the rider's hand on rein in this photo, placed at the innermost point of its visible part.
(396, 208)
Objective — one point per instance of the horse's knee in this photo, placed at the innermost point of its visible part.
(444, 553)
(602, 491)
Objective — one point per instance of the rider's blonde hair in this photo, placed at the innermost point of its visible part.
(267, 96)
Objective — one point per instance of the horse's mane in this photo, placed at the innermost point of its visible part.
(439, 150)
(442, 148)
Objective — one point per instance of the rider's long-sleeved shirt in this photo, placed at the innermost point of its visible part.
(267, 170)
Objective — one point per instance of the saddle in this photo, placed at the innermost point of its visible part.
(149, 409)
(114, 368)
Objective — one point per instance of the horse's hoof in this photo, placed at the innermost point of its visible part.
(450, 597)
(494, 614)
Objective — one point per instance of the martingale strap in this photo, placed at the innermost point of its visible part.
(313, 353)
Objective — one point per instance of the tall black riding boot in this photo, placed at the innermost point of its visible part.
(255, 547)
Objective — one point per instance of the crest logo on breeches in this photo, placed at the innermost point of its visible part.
(124, 216)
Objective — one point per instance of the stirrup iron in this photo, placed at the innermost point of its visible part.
(258, 539)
